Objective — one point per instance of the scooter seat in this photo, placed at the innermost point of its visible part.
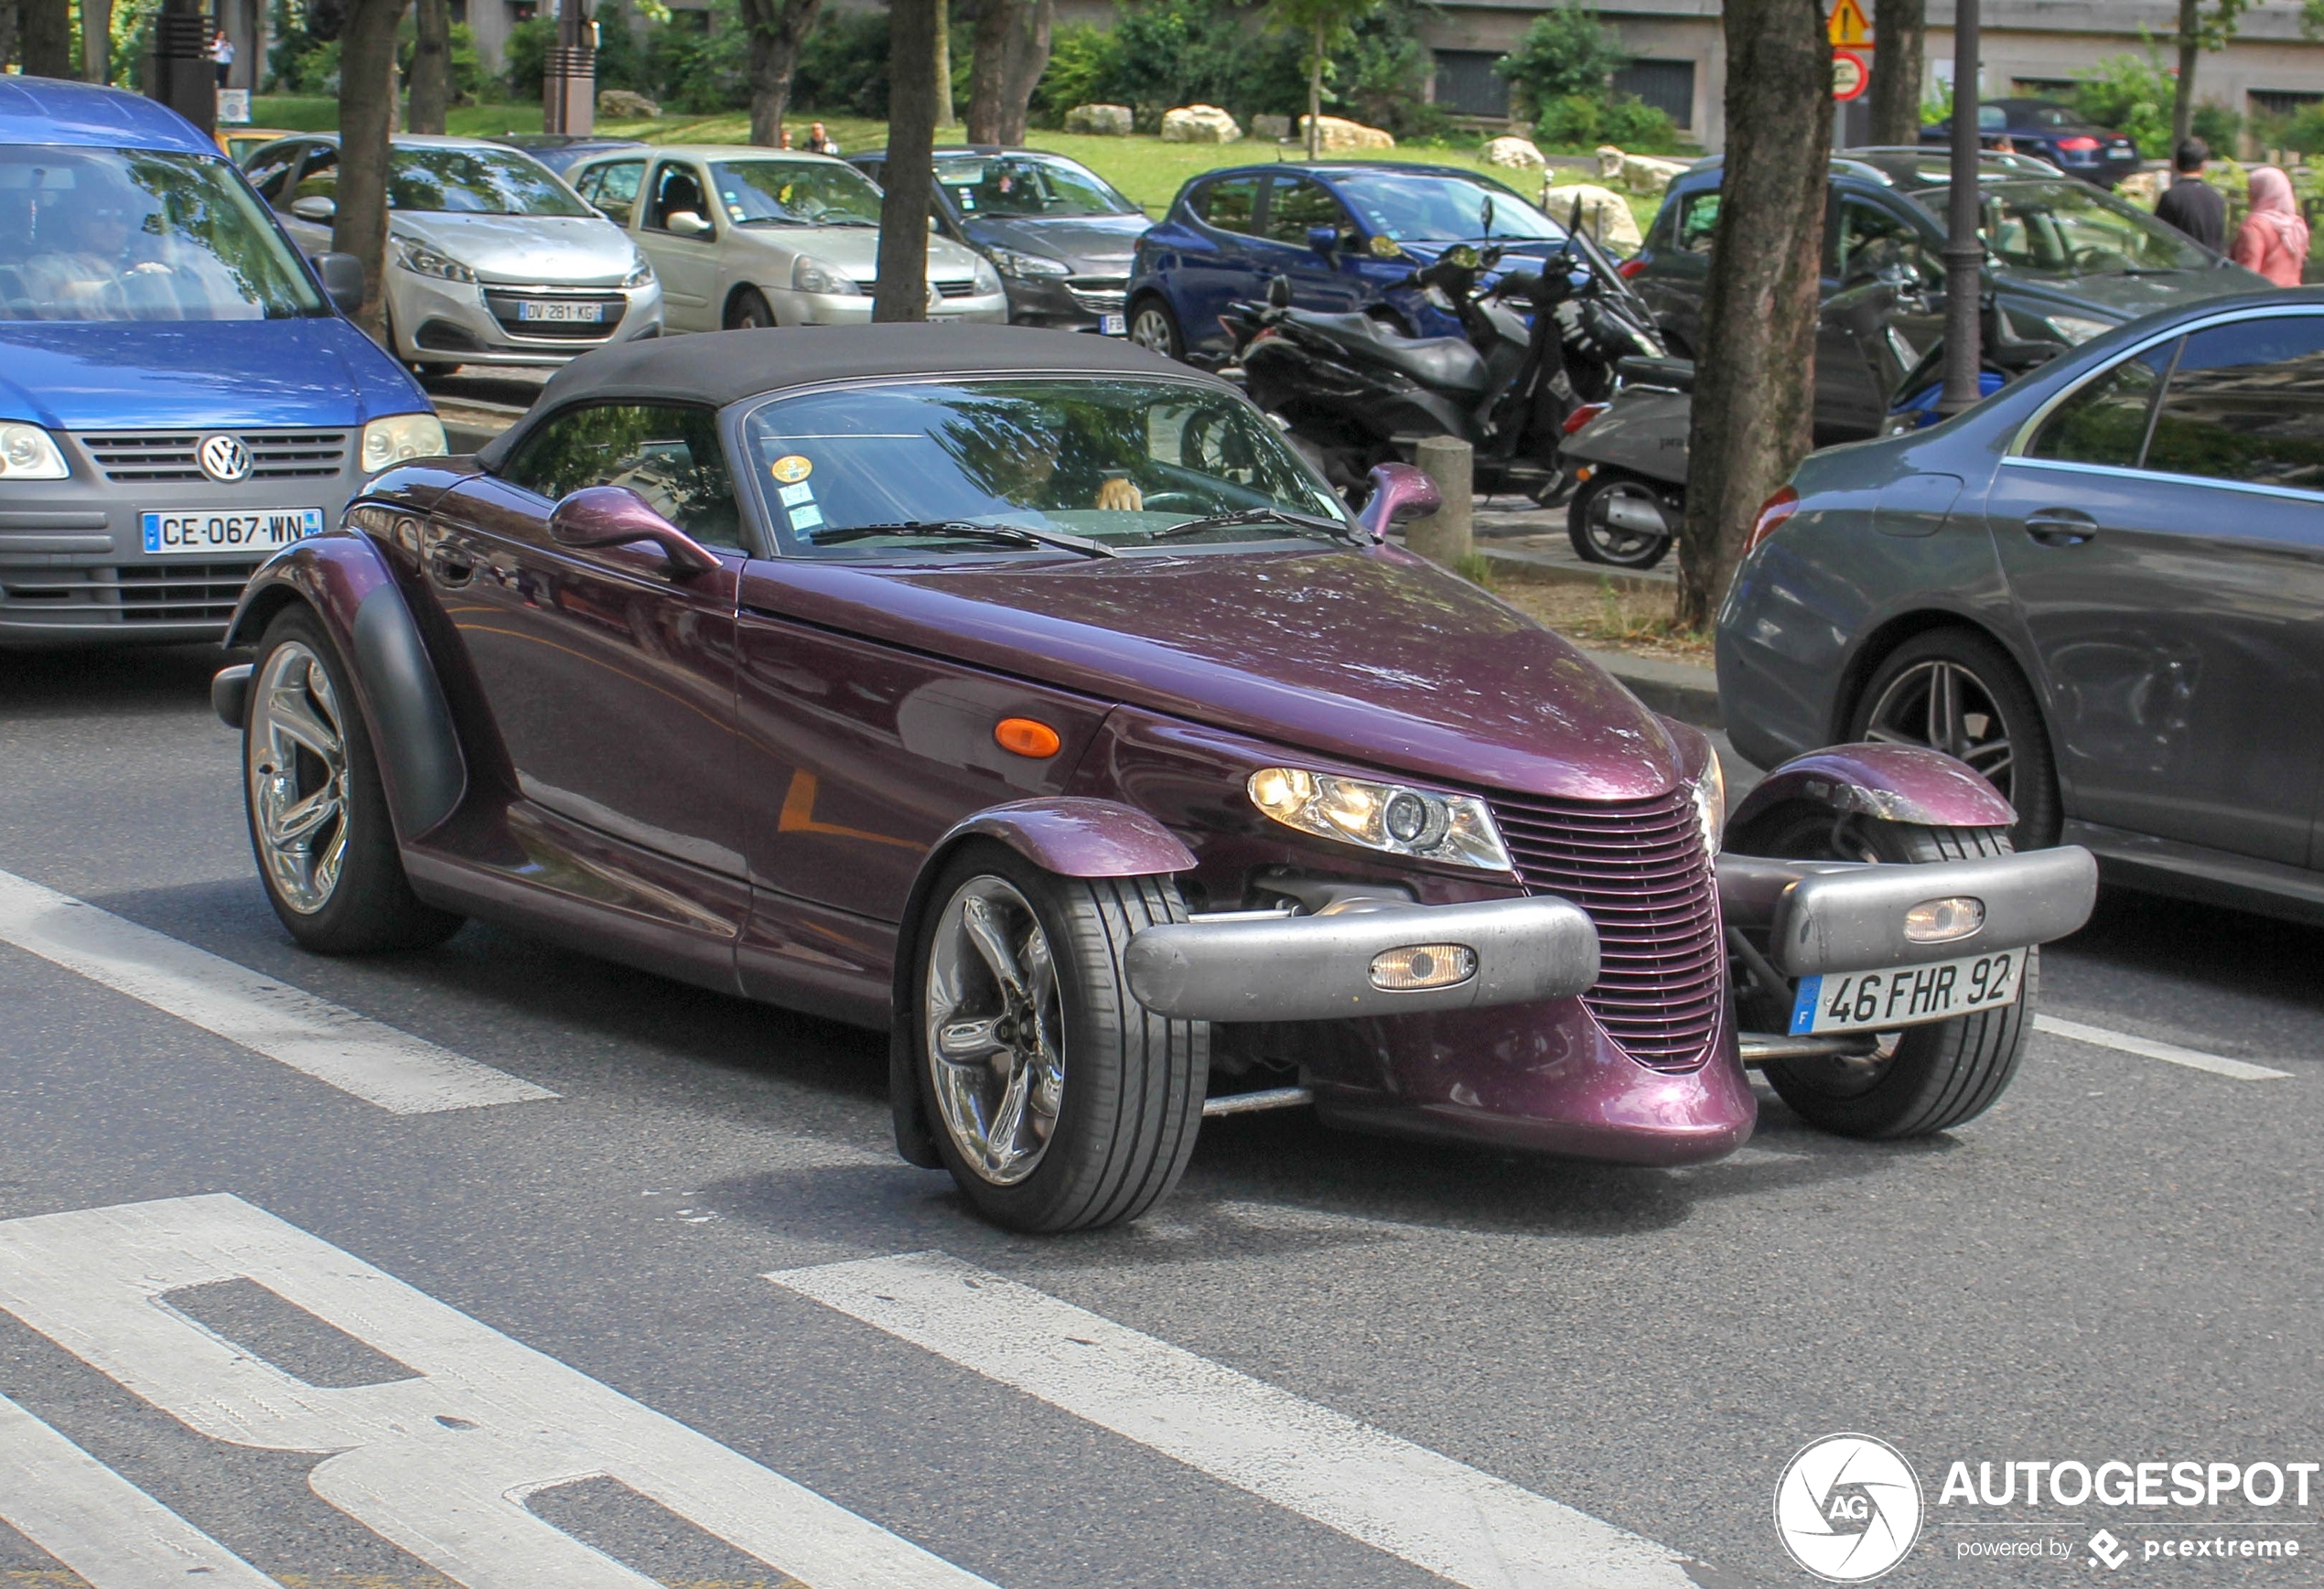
(1672, 374)
(1441, 363)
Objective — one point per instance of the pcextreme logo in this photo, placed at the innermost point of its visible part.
(1848, 1508)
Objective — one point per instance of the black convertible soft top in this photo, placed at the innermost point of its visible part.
(723, 366)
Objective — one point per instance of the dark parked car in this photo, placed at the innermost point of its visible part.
(2065, 262)
(1024, 694)
(2103, 588)
(2051, 131)
(560, 151)
(1346, 235)
(1058, 233)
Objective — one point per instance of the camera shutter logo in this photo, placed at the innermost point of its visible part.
(1848, 1508)
(224, 458)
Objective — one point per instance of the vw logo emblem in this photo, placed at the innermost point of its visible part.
(224, 458)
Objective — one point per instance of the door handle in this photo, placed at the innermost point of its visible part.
(2061, 526)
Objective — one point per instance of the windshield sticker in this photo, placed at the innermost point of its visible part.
(807, 517)
(791, 468)
(793, 496)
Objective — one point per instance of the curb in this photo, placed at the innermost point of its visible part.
(1540, 567)
(1676, 690)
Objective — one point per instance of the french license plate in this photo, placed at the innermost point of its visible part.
(206, 530)
(1114, 325)
(559, 313)
(1882, 1000)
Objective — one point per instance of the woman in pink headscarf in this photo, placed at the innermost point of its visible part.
(2274, 239)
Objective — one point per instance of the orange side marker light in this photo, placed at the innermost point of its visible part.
(1023, 737)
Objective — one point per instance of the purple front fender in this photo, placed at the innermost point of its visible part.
(1894, 783)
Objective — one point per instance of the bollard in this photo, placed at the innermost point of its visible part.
(1443, 536)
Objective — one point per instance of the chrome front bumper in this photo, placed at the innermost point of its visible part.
(1844, 916)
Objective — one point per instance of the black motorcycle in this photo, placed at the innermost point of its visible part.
(1355, 391)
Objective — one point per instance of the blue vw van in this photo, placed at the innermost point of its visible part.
(180, 396)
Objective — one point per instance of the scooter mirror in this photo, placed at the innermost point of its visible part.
(1279, 293)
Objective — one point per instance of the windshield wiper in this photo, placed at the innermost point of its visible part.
(1331, 527)
(961, 529)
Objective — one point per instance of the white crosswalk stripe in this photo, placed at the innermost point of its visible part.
(2148, 1048)
(1440, 1514)
(401, 1073)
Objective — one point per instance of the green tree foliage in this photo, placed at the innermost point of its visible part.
(2131, 94)
(1566, 53)
(843, 64)
(469, 80)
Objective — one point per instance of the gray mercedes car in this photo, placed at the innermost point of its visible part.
(2103, 587)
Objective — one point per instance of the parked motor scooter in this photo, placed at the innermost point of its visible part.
(1354, 392)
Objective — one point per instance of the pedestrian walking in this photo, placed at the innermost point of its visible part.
(2273, 239)
(221, 54)
(2191, 204)
(820, 139)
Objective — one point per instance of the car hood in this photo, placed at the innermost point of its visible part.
(552, 250)
(856, 249)
(314, 371)
(2127, 298)
(1379, 658)
(1092, 244)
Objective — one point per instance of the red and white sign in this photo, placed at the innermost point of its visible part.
(1851, 75)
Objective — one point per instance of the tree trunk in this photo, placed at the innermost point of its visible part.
(431, 64)
(47, 38)
(366, 122)
(96, 41)
(997, 23)
(1028, 58)
(777, 28)
(2191, 45)
(1755, 372)
(1899, 36)
(1315, 94)
(944, 64)
(909, 175)
(7, 31)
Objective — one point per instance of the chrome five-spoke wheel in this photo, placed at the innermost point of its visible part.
(298, 768)
(1940, 704)
(995, 1029)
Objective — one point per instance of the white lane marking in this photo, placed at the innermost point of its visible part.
(98, 1523)
(440, 1463)
(2169, 1053)
(1438, 1514)
(399, 1072)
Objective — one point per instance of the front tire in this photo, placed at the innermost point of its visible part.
(1597, 540)
(316, 807)
(750, 312)
(1921, 1079)
(1057, 1101)
(1155, 328)
(1955, 691)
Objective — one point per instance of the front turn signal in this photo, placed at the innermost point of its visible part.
(1024, 736)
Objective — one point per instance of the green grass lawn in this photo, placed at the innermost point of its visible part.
(1148, 170)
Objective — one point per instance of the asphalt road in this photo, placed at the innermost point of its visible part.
(2119, 1263)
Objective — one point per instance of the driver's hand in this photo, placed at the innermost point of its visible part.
(1118, 495)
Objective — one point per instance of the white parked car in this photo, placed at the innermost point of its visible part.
(492, 259)
(745, 236)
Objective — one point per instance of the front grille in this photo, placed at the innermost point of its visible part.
(1101, 294)
(143, 457)
(955, 289)
(504, 310)
(139, 594)
(1640, 869)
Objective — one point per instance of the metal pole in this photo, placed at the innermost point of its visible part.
(1965, 256)
(184, 78)
(569, 87)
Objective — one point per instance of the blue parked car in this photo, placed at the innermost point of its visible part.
(1344, 233)
(180, 393)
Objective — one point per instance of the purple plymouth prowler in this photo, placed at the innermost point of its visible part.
(1025, 695)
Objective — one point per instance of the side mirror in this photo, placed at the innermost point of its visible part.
(598, 516)
(342, 278)
(1323, 239)
(1279, 293)
(315, 208)
(686, 223)
(1399, 492)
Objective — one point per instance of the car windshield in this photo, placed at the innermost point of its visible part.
(1120, 462)
(1425, 208)
(794, 193)
(131, 234)
(2071, 229)
(475, 182)
(1012, 186)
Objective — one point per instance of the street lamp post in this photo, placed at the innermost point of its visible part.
(569, 86)
(1965, 256)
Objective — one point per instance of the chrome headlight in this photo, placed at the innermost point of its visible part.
(1710, 804)
(1455, 829)
(400, 436)
(30, 453)
(988, 280)
(640, 276)
(421, 260)
(2076, 329)
(1027, 265)
(810, 274)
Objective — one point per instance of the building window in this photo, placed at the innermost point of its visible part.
(2044, 88)
(1466, 84)
(2282, 101)
(1667, 85)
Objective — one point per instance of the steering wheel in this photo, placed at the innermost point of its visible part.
(1182, 500)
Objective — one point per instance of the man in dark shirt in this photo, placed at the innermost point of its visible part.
(2191, 204)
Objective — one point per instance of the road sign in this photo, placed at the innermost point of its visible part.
(1848, 29)
(1850, 75)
